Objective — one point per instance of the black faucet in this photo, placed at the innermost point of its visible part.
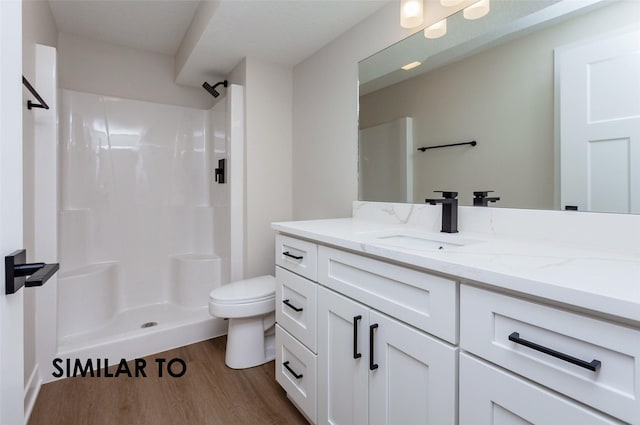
(449, 210)
(481, 199)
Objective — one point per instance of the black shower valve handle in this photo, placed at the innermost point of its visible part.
(219, 172)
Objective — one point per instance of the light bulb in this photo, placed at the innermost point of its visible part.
(411, 13)
(476, 10)
(436, 30)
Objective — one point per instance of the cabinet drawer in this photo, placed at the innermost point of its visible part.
(296, 306)
(423, 300)
(299, 256)
(489, 395)
(296, 372)
(488, 319)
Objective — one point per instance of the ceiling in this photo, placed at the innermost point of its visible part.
(279, 31)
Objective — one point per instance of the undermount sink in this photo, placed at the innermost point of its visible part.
(416, 240)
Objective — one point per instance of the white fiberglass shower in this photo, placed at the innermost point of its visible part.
(145, 233)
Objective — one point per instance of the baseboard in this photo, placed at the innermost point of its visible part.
(31, 391)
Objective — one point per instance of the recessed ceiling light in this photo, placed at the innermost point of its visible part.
(411, 65)
(476, 10)
(450, 3)
(436, 30)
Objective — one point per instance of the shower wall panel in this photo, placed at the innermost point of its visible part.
(135, 191)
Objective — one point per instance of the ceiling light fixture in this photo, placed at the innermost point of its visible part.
(411, 65)
(450, 3)
(476, 10)
(436, 30)
(411, 13)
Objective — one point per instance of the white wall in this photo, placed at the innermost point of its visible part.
(102, 68)
(268, 157)
(325, 118)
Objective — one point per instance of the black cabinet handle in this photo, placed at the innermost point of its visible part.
(295, 375)
(288, 304)
(295, 257)
(372, 365)
(356, 355)
(593, 365)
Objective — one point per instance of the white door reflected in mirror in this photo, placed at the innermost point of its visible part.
(598, 83)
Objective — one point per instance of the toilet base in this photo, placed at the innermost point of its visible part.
(248, 344)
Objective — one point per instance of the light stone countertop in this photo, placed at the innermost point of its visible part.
(603, 281)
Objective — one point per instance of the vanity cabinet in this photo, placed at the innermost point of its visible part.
(374, 369)
(362, 340)
(376, 360)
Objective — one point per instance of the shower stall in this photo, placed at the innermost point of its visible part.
(145, 231)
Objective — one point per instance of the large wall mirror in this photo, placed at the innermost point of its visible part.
(548, 89)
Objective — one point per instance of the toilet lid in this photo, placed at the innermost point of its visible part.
(245, 291)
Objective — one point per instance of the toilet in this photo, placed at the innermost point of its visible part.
(250, 307)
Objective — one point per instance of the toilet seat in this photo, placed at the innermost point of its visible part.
(244, 298)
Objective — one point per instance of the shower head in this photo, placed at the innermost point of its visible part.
(212, 89)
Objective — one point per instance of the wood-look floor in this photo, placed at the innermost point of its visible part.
(209, 393)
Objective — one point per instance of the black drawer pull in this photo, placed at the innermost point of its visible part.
(295, 375)
(593, 366)
(356, 355)
(295, 257)
(372, 365)
(288, 304)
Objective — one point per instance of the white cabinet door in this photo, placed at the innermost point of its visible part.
(491, 396)
(414, 381)
(342, 360)
(377, 370)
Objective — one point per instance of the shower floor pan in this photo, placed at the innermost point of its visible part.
(131, 333)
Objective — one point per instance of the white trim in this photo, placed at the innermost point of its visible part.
(31, 392)
(237, 215)
(46, 203)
